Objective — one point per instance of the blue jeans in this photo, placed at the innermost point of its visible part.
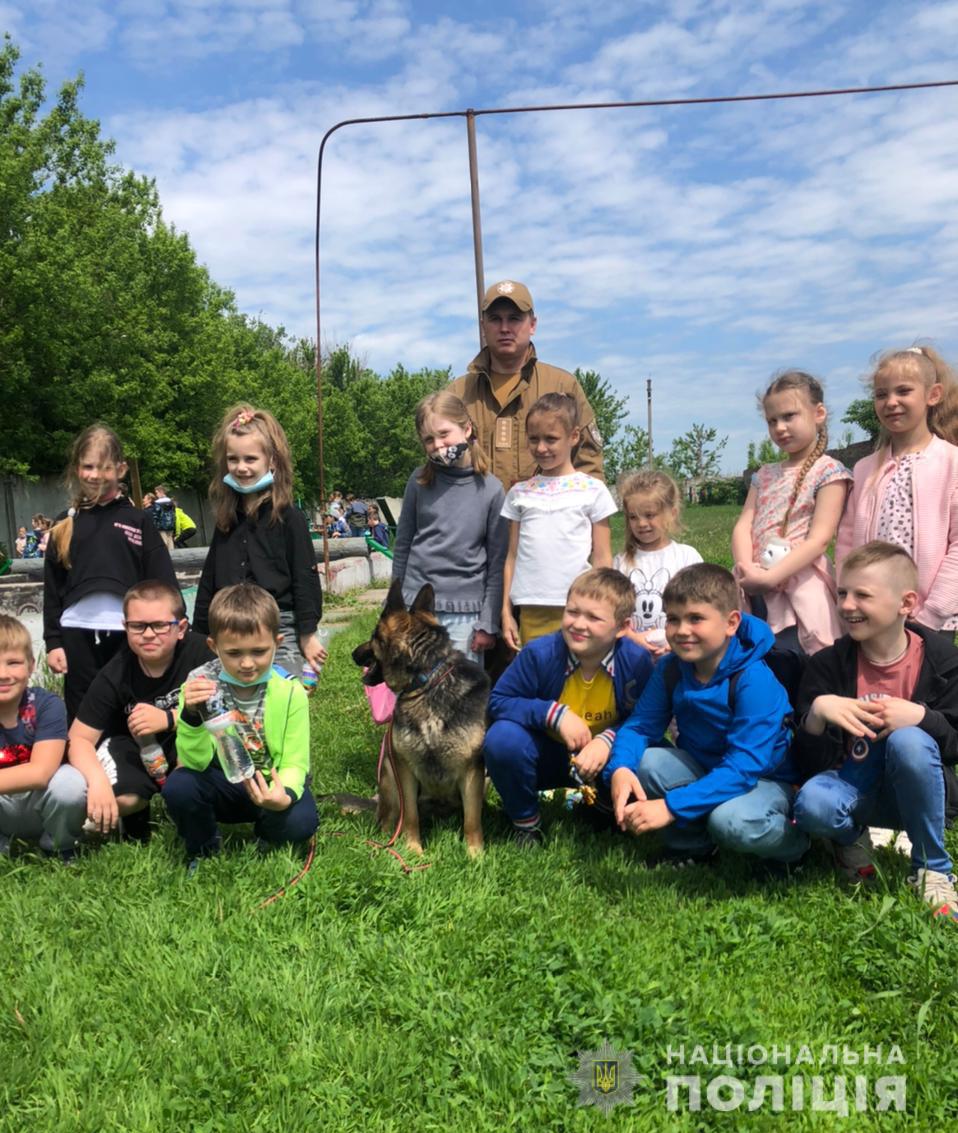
(758, 822)
(521, 762)
(908, 795)
(198, 800)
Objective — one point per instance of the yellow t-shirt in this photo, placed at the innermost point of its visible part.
(592, 701)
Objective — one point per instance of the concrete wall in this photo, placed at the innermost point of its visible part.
(21, 499)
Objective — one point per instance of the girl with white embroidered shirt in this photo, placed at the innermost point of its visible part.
(558, 518)
(790, 516)
(651, 503)
(906, 492)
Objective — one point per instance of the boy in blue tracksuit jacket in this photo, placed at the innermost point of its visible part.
(730, 780)
(558, 704)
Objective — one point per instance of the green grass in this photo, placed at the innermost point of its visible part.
(456, 998)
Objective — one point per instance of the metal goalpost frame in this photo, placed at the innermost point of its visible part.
(470, 116)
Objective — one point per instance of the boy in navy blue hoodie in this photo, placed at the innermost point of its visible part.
(730, 781)
(558, 704)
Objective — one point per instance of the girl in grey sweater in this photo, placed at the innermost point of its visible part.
(450, 532)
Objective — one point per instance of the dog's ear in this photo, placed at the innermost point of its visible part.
(424, 602)
(394, 599)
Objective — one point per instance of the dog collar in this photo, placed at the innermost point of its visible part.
(422, 681)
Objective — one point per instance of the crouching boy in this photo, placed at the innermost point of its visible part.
(41, 798)
(132, 704)
(558, 704)
(272, 718)
(878, 715)
(729, 781)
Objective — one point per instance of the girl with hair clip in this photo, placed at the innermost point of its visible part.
(906, 492)
(97, 550)
(260, 535)
(651, 503)
(450, 531)
(790, 516)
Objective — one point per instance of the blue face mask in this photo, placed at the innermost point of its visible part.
(229, 679)
(261, 484)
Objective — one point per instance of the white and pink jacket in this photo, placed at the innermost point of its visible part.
(935, 522)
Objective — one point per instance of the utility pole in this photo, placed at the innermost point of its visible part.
(648, 397)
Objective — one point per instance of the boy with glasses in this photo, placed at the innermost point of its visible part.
(131, 703)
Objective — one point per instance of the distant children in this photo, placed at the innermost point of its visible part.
(450, 532)
(558, 518)
(907, 491)
(131, 706)
(729, 780)
(21, 542)
(878, 716)
(790, 516)
(184, 528)
(272, 717)
(41, 799)
(558, 705)
(377, 530)
(260, 536)
(651, 503)
(98, 549)
(163, 514)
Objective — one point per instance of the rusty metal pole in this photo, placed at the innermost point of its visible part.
(648, 396)
(476, 219)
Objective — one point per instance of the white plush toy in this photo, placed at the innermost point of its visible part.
(774, 551)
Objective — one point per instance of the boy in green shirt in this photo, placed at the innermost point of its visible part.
(272, 717)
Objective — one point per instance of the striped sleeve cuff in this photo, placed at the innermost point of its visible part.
(555, 714)
(608, 735)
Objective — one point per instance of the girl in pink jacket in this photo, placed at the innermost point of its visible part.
(906, 492)
(790, 516)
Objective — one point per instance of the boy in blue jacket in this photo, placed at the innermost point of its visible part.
(558, 704)
(730, 781)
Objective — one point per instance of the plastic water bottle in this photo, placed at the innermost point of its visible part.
(154, 758)
(310, 679)
(219, 721)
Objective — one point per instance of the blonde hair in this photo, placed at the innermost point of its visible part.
(15, 637)
(877, 551)
(110, 452)
(153, 590)
(242, 421)
(664, 493)
(606, 585)
(447, 407)
(244, 608)
(793, 381)
(925, 363)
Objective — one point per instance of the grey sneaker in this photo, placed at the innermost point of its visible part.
(938, 889)
(854, 861)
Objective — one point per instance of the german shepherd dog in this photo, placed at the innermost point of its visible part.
(439, 722)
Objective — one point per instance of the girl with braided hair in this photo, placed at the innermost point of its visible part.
(790, 516)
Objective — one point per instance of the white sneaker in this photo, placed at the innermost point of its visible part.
(899, 841)
(938, 889)
(854, 861)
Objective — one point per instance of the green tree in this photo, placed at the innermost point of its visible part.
(862, 413)
(697, 454)
(765, 453)
(610, 411)
(629, 452)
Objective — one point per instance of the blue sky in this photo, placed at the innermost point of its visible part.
(704, 248)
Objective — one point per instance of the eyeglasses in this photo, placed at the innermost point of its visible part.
(161, 629)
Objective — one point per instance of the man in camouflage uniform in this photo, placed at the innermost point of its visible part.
(505, 379)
